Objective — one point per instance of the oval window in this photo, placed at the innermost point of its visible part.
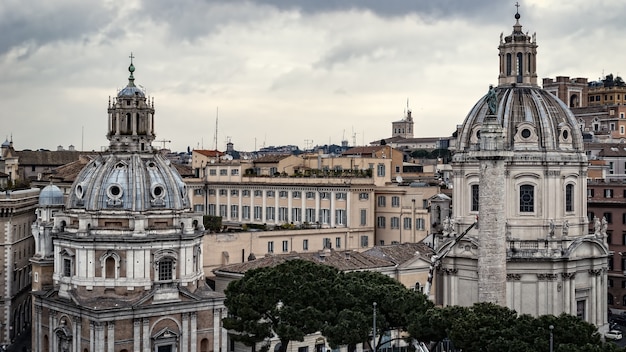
(526, 133)
(565, 134)
(114, 191)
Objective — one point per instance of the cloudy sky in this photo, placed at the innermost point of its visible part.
(277, 72)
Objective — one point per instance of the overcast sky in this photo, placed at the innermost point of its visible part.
(278, 71)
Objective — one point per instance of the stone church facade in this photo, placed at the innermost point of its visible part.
(520, 169)
(118, 266)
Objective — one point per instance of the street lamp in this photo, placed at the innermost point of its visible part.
(551, 327)
(374, 329)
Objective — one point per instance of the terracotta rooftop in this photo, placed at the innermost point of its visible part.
(49, 158)
(209, 153)
(401, 253)
(270, 158)
(341, 260)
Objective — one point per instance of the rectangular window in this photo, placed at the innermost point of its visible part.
(245, 212)
(270, 193)
(283, 214)
(223, 210)
(223, 192)
(310, 195)
(325, 195)
(611, 167)
(381, 222)
(234, 193)
(380, 170)
(475, 197)
(296, 214)
(325, 216)
(337, 242)
(234, 172)
(608, 193)
(310, 215)
(395, 201)
(198, 207)
(212, 172)
(245, 193)
(340, 217)
(67, 267)
(283, 194)
(419, 223)
(258, 193)
(305, 245)
(407, 223)
(608, 217)
(270, 213)
(223, 172)
(258, 212)
(363, 217)
(590, 192)
(395, 222)
(198, 192)
(165, 270)
(326, 243)
(364, 196)
(365, 241)
(382, 200)
(341, 196)
(285, 246)
(569, 197)
(527, 198)
(270, 247)
(296, 194)
(234, 211)
(212, 209)
(303, 349)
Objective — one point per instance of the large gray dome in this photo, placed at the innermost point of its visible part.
(125, 181)
(532, 118)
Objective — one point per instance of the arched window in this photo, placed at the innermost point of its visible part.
(508, 64)
(520, 67)
(204, 345)
(527, 198)
(110, 268)
(569, 197)
(166, 269)
(128, 123)
(475, 197)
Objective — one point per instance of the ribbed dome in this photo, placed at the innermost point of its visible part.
(124, 181)
(51, 195)
(532, 118)
(131, 91)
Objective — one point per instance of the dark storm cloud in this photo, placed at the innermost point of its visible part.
(29, 25)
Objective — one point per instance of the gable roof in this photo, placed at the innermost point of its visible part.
(209, 153)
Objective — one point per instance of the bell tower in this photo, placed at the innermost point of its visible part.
(518, 57)
(131, 118)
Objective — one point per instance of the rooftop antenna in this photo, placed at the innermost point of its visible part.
(216, 119)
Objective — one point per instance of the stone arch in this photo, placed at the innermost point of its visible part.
(204, 345)
(110, 265)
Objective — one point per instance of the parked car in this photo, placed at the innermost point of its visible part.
(613, 335)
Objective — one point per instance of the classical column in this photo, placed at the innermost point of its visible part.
(146, 335)
(185, 332)
(38, 322)
(216, 329)
(194, 332)
(224, 335)
(77, 333)
(99, 337)
(137, 335)
(110, 336)
(332, 210)
(92, 336)
(51, 324)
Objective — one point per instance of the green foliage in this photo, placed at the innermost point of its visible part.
(212, 223)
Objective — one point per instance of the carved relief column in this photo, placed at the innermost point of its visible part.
(137, 335)
(194, 332)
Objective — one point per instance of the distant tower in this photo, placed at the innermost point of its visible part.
(518, 57)
(403, 128)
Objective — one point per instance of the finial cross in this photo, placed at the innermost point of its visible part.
(131, 57)
(517, 5)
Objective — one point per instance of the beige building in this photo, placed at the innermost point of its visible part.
(17, 212)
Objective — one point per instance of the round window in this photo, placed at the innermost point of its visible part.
(79, 191)
(526, 133)
(114, 191)
(158, 191)
(565, 134)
